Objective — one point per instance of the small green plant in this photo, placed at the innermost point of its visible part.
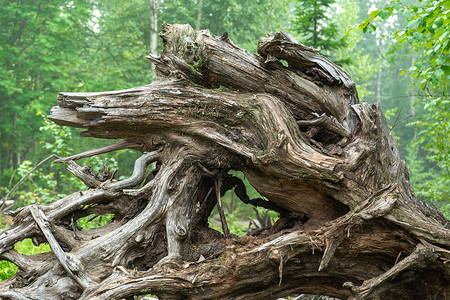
(28, 248)
(94, 221)
(8, 269)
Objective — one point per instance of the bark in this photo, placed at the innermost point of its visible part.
(350, 226)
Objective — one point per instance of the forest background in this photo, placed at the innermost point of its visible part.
(396, 51)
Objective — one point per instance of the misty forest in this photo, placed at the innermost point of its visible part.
(224, 149)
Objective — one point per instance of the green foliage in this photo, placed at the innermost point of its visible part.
(426, 32)
(43, 185)
(316, 29)
(94, 221)
(40, 44)
(116, 42)
(52, 46)
(59, 137)
(390, 113)
(445, 208)
(427, 36)
(8, 269)
(433, 133)
(361, 67)
(244, 21)
(50, 183)
(28, 248)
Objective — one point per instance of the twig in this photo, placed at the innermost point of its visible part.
(69, 263)
(218, 184)
(396, 119)
(23, 178)
(208, 172)
(280, 269)
(12, 177)
(118, 146)
(401, 121)
(398, 256)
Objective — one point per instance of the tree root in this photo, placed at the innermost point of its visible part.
(347, 214)
(421, 258)
(118, 146)
(69, 262)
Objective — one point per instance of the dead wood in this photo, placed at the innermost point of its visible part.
(350, 227)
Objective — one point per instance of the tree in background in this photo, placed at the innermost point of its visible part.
(119, 34)
(385, 86)
(316, 29)
(40, 45)
(84, 45)
(363, 66)
(244, 21)
(426, 35)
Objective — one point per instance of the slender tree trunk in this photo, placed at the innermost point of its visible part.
(12, 152)
(199, 14)
(154, 7)
(413, 90)
(269, 18)
(315, 26)
(380, 73)
(350, 225)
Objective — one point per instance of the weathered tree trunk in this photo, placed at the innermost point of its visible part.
(350, 225)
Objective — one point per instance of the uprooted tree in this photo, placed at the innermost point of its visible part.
(291, 121)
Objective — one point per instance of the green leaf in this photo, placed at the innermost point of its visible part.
(363, 26)
(439, 23)
(417, 36)
(444, 45)
(443, 36)
(396, 5)
(374, 14)
(439, 73)
(413, 23)
(440, 61)
(385, 14)
(446, 69)
(447, 5)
